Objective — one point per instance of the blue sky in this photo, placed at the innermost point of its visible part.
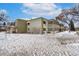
(31, 10)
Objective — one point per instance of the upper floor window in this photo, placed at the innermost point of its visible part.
(44, 22)
(28, 23)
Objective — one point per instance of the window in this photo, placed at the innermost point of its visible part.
(44, 29)
(28, 23)
(44, 22)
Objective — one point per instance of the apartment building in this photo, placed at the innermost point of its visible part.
(38, 25)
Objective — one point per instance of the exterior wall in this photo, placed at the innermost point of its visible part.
(34, 26)
(77, 29)
(28, 26)
(52, 26)
(11, 29)
(55, 27)
(62, 28)
(21, 26)
(44, 25)
(37, 25)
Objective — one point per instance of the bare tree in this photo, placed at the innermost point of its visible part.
(69, 17)
(3, 19)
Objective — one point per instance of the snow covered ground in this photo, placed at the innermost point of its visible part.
(59, 44)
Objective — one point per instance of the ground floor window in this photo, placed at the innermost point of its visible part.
(44, 29)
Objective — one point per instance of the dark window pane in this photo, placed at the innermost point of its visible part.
(44, 22)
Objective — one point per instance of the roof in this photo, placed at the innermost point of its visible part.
(39, 18)
(20, 20)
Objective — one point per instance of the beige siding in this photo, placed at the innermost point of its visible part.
(21, 26)
(35, 26)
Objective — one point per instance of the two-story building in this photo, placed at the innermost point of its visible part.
(37, 25)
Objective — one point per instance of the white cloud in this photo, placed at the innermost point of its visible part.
(25, 18)
(41, 9)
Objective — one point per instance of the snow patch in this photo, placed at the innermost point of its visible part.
(38, 45)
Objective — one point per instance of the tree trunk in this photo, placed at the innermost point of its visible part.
(71, 26)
